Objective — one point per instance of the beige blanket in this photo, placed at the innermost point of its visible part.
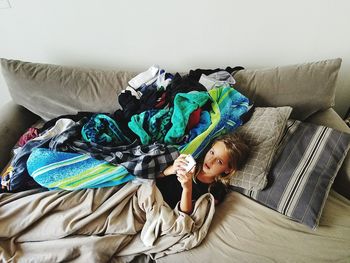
(244, 231)
(96, 225)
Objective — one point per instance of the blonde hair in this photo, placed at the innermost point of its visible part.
(238, 152)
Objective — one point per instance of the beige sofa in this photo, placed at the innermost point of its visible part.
(242, 230)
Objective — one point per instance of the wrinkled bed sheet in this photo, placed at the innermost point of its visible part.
(245, 231)
(97, 225)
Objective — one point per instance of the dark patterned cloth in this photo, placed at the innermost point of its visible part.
(145, 161)
(103, 130)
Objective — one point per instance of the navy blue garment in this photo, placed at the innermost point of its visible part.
(20, 180)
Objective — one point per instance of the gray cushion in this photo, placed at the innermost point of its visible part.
(307, 88)
(299, 182)
(262, 133)
(331, 119)
(51, 91)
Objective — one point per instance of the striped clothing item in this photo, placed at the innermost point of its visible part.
(71, 171)
(228, 105)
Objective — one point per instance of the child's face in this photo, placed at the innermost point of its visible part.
(216, 161)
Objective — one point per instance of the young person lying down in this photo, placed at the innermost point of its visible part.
(180, 182)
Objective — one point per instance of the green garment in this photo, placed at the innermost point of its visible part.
(184, 105)
(151, 125)
(228, 105)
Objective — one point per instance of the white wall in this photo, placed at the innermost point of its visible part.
(178, 35)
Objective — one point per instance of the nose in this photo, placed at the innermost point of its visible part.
(211, 161)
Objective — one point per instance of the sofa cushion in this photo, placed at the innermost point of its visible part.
(309, 158)
(262, 133)
(307, 88)
(50, 90)
(331, 119)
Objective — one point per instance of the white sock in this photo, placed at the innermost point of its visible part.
(144, 77)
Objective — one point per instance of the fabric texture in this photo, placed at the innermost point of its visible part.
(102, 129)
(72, 171)
(331, 119)
(227, 107)
(262, 133)
(31, 133)
(51, 90)
(246, 231)
(184, 105)
(309, 158)
(145, 161)
(96, 225)
(152, 125)
(307, 88)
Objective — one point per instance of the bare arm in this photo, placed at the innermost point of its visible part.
(185, 178)
(186, 201)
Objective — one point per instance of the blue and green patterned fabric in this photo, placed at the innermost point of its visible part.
(228, 105)
(71, 171)
(103, 130)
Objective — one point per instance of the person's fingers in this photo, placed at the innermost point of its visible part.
(180, 159)
(192, 170)
(180, 162)
(181, 172)
(179, 166)
(185, 177)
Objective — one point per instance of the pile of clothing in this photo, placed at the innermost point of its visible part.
(161, 116)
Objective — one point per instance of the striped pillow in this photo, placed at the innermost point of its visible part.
(308, 159)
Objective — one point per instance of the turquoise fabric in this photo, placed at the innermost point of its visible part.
(184, 105)
(102, 129)
(71, 171)
(228, 105)
(151, 126)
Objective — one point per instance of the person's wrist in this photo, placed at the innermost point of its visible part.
(187, 188)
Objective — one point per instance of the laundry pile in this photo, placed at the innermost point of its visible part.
(161, 116)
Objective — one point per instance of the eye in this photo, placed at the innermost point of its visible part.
(220, 162)
(211, 152)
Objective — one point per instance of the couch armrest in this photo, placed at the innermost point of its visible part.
(14, 120)
(331, 119)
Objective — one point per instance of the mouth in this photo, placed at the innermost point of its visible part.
(206, 166)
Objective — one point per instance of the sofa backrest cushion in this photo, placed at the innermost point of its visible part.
(307, 88)
(51, 91)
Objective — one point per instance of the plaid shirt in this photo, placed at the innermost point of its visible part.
(145, 161)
